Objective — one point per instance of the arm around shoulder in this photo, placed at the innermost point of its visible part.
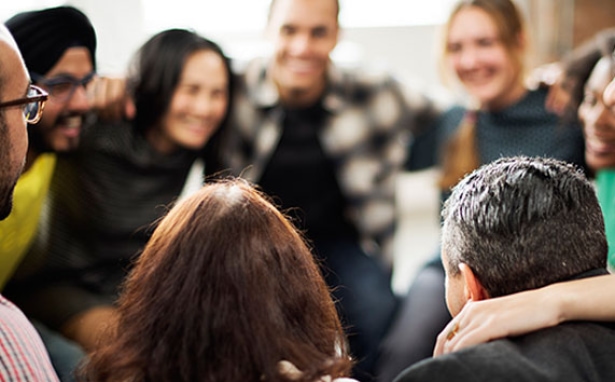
(524, 312)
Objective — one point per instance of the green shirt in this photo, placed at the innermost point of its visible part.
(605, 182)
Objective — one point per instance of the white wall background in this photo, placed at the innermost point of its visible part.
(398, 34)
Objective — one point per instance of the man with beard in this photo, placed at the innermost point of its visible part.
(58, 46)
(328, 143)
(22, 354)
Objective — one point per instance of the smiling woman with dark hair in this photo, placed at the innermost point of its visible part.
(226, 290)
(108, 195)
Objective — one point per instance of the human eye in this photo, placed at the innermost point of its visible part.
(218, 92)
(453, 47)
(486, 42)
(287, 30)
(60, 87)
(189, 89)
(320, 32)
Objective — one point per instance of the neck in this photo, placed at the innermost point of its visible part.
(301, 97)
(510, 98)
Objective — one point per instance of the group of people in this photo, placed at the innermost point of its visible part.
(131, 269)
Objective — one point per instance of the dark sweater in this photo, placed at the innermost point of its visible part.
(524, 128)
(106, 199)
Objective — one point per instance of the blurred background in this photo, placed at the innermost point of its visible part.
(399, 35)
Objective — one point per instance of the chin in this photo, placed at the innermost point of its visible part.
(301, 82)
(193, 145)
(483, 97)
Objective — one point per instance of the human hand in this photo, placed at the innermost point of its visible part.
(109, 99)
(487, 320)
(552, 76)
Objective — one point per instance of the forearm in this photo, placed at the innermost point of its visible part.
(525, 312)
(585, 299)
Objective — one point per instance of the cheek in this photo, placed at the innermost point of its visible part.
(220, 108)
(454, 65)
(583, 114)
(453, 60)
(280, 45)
(50, 115)
(326, 47)
(180, 104)
(18, 138)
(506, 65)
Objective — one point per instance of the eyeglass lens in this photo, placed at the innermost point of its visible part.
(33, 110)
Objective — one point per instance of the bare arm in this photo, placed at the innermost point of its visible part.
(109, 99)
(483, 321)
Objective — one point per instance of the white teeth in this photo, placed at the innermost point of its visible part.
(73, 122)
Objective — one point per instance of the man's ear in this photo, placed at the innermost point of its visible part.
(472, 286)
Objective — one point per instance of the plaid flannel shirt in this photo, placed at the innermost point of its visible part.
(366, 135)
(22, 354)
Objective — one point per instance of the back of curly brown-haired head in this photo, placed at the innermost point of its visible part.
(225, 289)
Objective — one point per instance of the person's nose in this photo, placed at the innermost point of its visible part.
(468, 58)
(205, 105)
(609, 95)
(605, 120)
(301, 44)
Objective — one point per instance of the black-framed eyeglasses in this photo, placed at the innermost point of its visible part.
(62, 87)
(33, 104)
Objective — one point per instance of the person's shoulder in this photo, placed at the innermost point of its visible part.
(107, 136)
(448, 367)
(95, 127)
(361, 74)
(375, 87)
(454, 112)
(496, 360)
(577, 332)
(249, 72)
(449, 121)
(522, 358)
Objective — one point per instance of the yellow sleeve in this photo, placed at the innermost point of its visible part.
(18, 231)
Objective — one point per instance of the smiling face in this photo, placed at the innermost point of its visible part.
(304, 32)
(477, 55)
(61, 124)
(598, 117)
(197, 107)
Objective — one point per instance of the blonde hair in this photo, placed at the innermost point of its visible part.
(461, 153)
(509, 23)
